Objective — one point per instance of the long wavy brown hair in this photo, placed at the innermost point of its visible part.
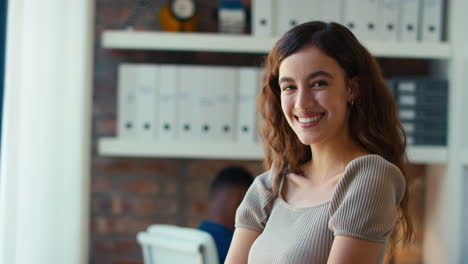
(372, 122)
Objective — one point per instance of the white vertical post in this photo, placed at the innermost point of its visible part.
(443, 236)
(45, 153)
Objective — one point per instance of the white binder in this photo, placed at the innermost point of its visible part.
(431, 26)
(207, 101)
(408, 126)
(407, 114)
(409, 20)
(353, 19)
(388, 20)
(360, 16)
(371, 19)
(225, 81)
(264, 18)
(146, 84)
(188, 108)
(307, 10)
(246, 110)
(126, 101)
(167, 98)
(330, 10)
(292, 13)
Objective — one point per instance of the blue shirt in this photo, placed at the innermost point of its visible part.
(222, 237)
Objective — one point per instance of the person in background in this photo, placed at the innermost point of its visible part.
(226, 193)
(336, 186)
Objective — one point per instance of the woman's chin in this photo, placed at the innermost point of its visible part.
(309, 140)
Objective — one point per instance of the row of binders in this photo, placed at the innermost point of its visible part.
(165, 102)
(389, 20)
(187, 103)
(422, 108)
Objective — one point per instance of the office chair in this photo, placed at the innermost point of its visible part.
(170, 244)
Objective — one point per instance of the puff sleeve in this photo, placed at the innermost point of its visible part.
(366, 200)
(256, 206)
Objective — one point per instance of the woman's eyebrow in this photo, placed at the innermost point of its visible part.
(319, 73)
(310, 76)
(285, 79)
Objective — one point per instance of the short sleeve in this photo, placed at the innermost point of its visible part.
(255, 209)
(365, 202)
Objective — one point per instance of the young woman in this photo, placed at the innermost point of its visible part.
(336, 185)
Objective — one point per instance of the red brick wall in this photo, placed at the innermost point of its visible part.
(128, 194)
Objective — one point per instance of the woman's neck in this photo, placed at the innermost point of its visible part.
(330, 158)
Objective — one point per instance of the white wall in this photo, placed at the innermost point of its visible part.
(46, 141)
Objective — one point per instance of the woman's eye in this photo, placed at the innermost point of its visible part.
(287, 88)
(319, 83)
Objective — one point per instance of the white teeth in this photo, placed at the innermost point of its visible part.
(309, 119)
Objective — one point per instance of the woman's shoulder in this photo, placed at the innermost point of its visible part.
(365, 202)
(370, 165)
(262, 186)
(261, 190)
(254, 211)
(369, 174)
(264, 180)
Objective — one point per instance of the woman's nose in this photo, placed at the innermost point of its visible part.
(305, 97)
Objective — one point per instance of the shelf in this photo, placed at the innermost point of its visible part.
(146, 40)
(212, 42)
(202, 150)
(427, 154)
(237, 151)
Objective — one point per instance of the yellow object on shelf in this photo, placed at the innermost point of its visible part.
(169, 22)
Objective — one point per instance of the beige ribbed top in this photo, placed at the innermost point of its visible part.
(364, 205)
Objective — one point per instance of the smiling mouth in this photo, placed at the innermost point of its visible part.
(310, 119)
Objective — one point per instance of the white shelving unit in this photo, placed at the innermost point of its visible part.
(147, 40)
(203, 150)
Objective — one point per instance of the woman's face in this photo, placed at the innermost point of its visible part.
(314, 96)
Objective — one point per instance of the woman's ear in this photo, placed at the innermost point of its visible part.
(352, 88)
